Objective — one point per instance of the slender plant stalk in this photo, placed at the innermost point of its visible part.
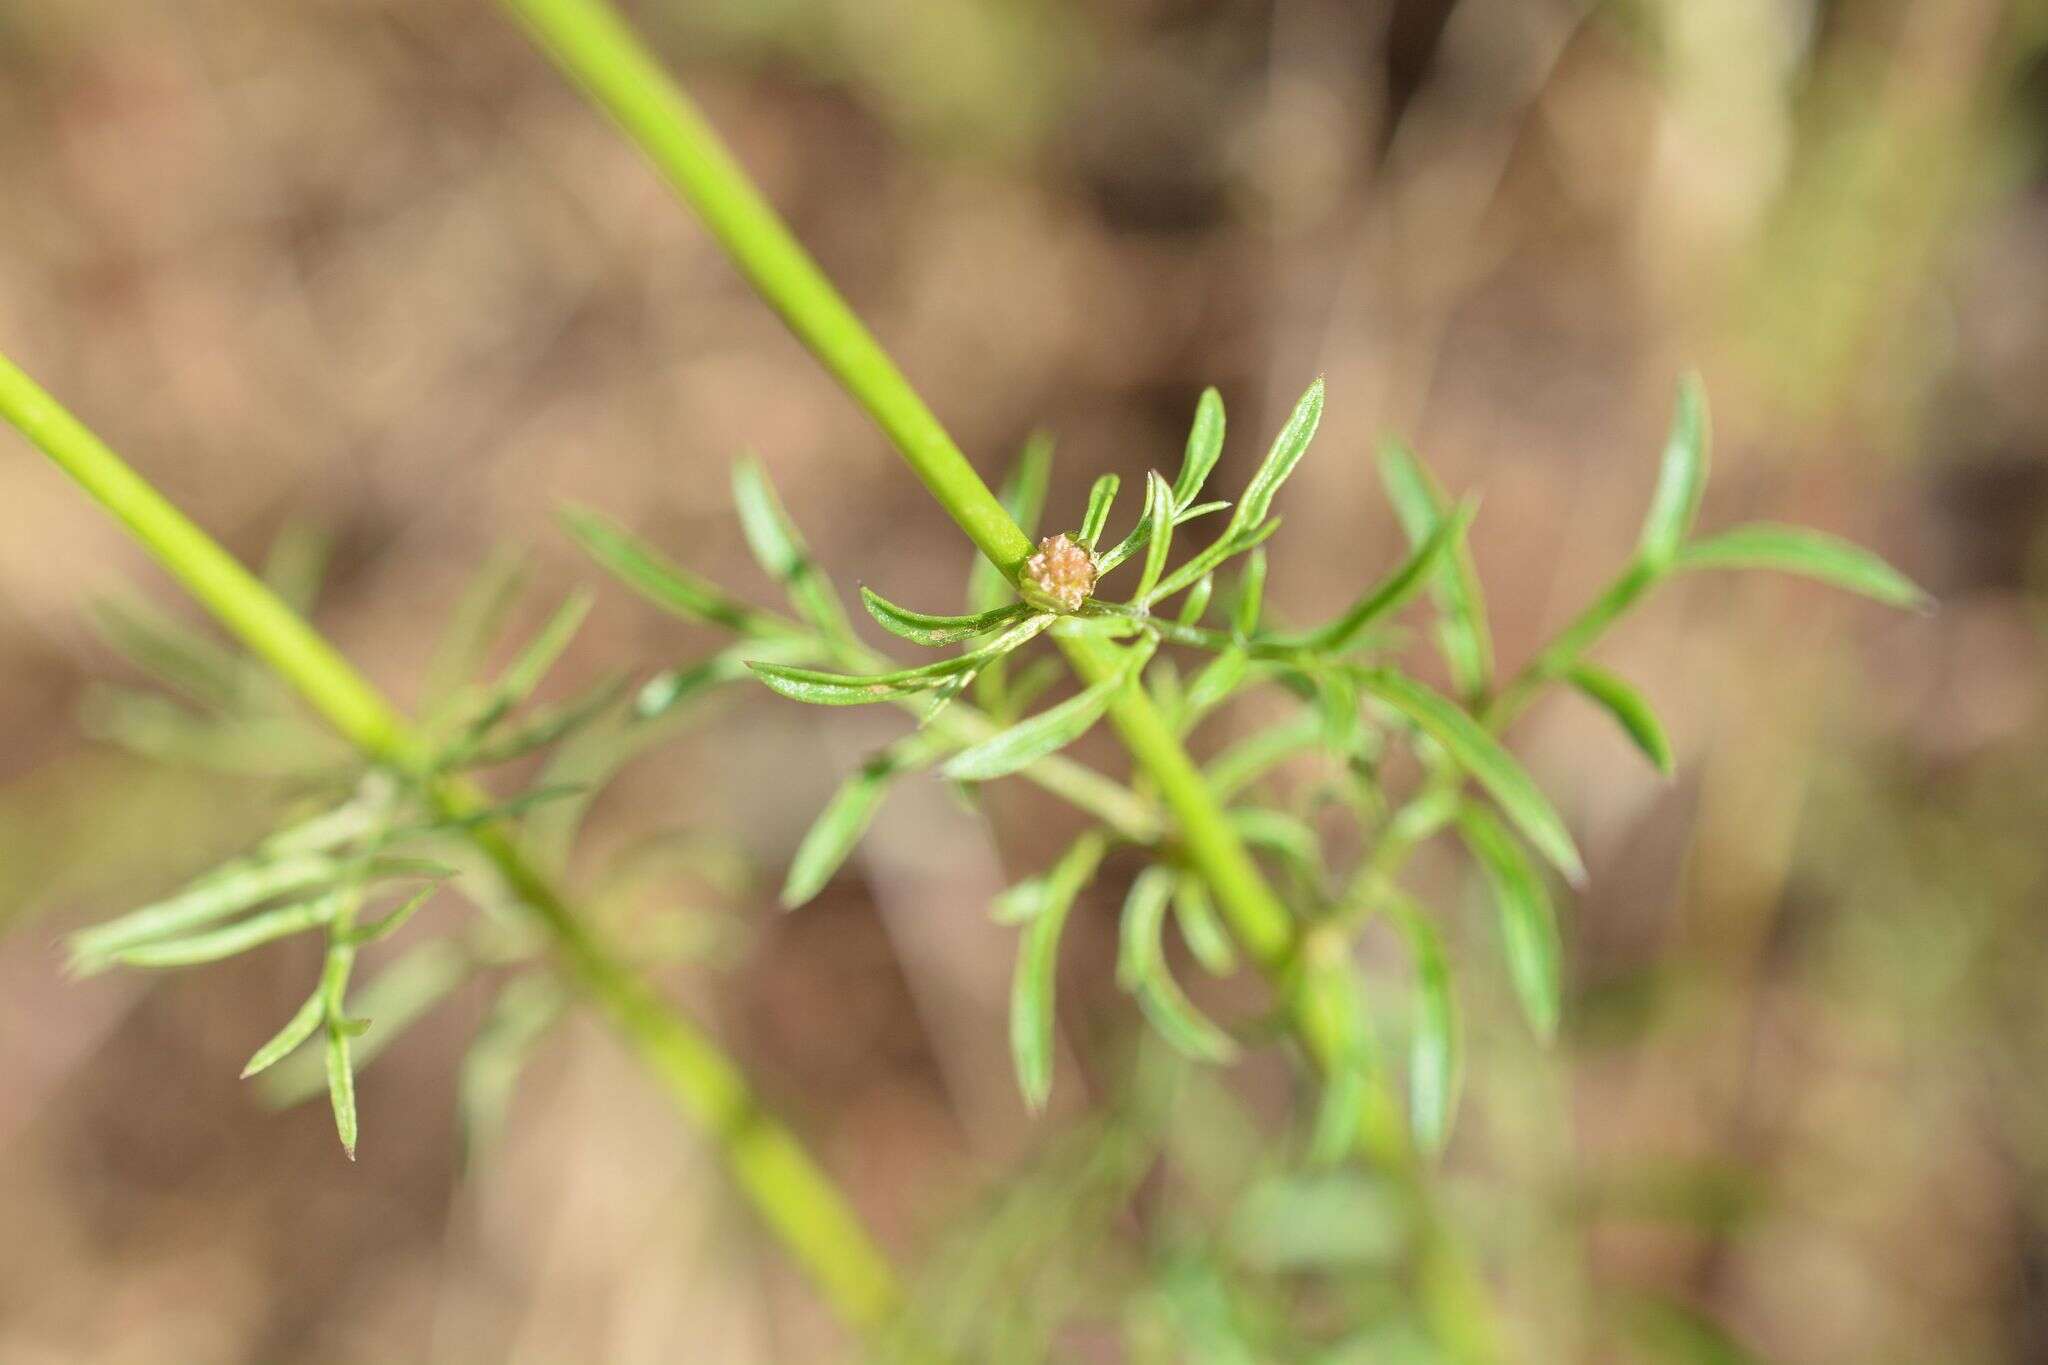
(793, 1195)
(600, 53)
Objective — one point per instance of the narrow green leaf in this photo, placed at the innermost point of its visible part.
(1210, 556)
(542, 729)
(384, 927)
(174, 653)
(1205, 445)
(1682, 479)
(1463, 637)
(229, 940)
(1158, 536)
(341, 1086)
(1032, 991)
(1141, 969)
(1142, 533)
(1528, 923)
(1030, 740)
(525, 672)
(780, 550)
(1393, 592)
(838, 829)
(1201, 928)
(1101, 498)
(660, 580)
(919, 628)
(1251, 592)
(1810, 554)
(844, 689)
(1481, 755)
(1629, 709)
(1197, 601)
(1023, 496)
(410, 985)
(1288, 448)
(1433, 1035)
(672, 687)
(1332, 998)
(233, 888)
(473, 627)
(296, 1030)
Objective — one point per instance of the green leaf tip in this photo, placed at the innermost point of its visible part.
(1808, 554)
(1629, 709)
(1681, 480)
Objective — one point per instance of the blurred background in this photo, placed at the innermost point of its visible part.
(365, 275)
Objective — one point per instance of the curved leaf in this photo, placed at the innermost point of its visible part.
(1681, 480)
(1286, 452)
(1528, 923)
(667, 585)
(1463, 636)
(1101, 497)
(1810, 554)
(1627, 707)
(1205, 445)
(780, 549)
(1481, 755)
(919, 628)
(1433, 1036)
(1394, 591)
(1031, 991)
(1141, 969)
(1030, 740)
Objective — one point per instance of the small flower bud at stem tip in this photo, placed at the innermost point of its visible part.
(1062, 571)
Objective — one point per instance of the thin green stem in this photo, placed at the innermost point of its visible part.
(791, 1193)
(594, 46)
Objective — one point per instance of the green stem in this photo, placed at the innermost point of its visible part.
(791, 1193)
(594, 46)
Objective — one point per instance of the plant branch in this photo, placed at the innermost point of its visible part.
(597, 50)
(788, 1189)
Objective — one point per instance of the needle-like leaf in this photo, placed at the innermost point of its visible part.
(1205, 445)
(922, 629)
(780, 549)
(1463, 636)
(1481, 755)
(296, 1030)
(1528, 923)
(1393, 592)
(1627, 707)
(1032, 991)
(1158, 535)
(1101, 498)
(1810, 554)
(1288, 448)
(1433, 1037)
(1681, 480)
(1141, 969)
(666, 584)
(1030, 740)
